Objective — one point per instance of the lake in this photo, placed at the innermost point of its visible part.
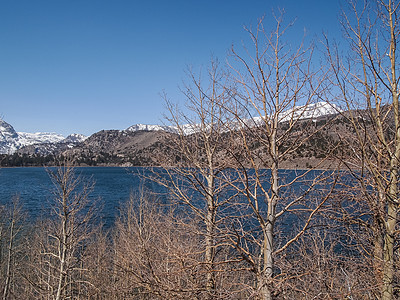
(113, 186)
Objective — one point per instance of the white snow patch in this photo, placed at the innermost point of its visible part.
(310, 111)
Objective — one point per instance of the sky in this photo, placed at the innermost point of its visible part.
(80, 66)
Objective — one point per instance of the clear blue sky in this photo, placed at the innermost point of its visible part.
(86, 65)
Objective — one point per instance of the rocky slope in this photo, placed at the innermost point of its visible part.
(153, 145)
(129, 148)
(47, 148)
(11, 141)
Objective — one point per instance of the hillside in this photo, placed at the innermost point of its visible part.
(156, 148)
(127, 148)
(153, 145)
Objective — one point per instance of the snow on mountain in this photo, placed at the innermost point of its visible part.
(302, 112)
(74, 138)
(144, 127)
(8, 137)
(26, 138)
(185, 129)
(11, 141)
(56, 147)
(310, 111)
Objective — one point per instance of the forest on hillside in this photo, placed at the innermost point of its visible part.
(235, 226)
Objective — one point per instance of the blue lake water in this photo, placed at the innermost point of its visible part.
(113, 186)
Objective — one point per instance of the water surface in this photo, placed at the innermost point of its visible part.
(113, 186)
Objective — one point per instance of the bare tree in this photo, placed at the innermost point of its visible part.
(58, 244)
(198, 183)
(368, 82)
(12, 233)
(276, 91)
(154, 256)
(98, 266)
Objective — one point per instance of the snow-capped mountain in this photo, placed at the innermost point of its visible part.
(25, 138)
(144, 127)
(54, 148)
(74, 138)
(310, 111)
(11, 141)
(186, 129)
(302, 112)
(44, 143)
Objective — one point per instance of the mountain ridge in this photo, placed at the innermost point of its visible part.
(52, 143)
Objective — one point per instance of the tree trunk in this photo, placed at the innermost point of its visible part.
(63, 255)
(209, 255)
(392, 199)
(9, 259)
(266, 277)
(388, 246)
(210, 237)
(268, 251)
(388, 258)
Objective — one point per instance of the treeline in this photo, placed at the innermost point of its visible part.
(38, 160)
(26, 160)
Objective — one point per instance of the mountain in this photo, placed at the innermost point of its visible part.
(150, 145)
(144, 127)
(186, 128)
(74, 138)
(301, 112)
(122, 147)
(53, 147)
(11, 141)
(311, 111)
